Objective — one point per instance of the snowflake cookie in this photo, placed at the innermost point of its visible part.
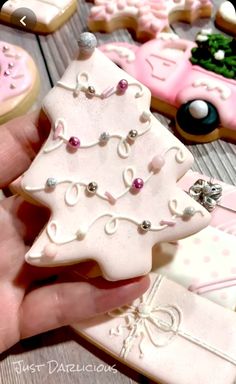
(146, 17)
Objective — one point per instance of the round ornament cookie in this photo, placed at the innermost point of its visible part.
(50, 14)
(19, 81)
(226, 17)
(146, 17)
(193, 82)
(108, 172)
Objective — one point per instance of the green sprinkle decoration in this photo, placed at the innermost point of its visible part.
(216, 53)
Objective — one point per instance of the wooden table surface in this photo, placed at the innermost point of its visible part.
(52, 54)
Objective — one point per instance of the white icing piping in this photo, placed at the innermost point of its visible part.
(144, 322)
(112, 224)
(128, 176)
(124, 52)
(212, 85)
(123, 147)
(82, 85)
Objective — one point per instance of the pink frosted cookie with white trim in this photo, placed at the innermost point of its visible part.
(146, 17)
(50, 14)
(226, 17)
(19, 81)
(108, 173)
(195, 83)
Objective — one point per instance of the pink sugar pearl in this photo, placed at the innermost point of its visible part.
(122, 85)
(157, 163)
(74, 142)
(50, 251)
(138, 183)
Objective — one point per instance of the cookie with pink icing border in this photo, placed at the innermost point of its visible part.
(108, 173)
(192, 82)
(226, 17)
(19, 81)
(146, 17)
(50, 14)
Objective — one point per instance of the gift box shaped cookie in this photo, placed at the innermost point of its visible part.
(204, 263)
(108, 172)
(171, 335)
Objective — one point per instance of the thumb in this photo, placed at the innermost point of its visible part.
(57, 305)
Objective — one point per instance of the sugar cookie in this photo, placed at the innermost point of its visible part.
(19, 81)
(50, 14)
(226, 17)
(146, 17)
(170, 335)
(108, 172)
(192, 82)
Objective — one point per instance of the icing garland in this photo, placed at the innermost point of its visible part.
(82, 85)
(111, 226)
(131, 182)
(160, 324)
(216, 53)
(123, 148)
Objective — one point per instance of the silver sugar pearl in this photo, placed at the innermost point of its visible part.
(92, 187)
(132, 134)
(51, 182)
(188, 212)
(7, 73)
(11, 65)
(5, 48)
(87, 42)
(104, 137)
(145, 225)
(206, 189)
(91, 90)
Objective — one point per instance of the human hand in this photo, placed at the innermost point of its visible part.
(33, 299)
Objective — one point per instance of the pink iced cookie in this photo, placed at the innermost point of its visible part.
(194, 83)
(146, 17)
(19, 81)
(204, 263)
(170, 335)
(108, 172)
(226, 17)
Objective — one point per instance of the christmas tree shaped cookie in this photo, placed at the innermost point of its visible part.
(108, 173)
(19, 81)
(146, 17)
